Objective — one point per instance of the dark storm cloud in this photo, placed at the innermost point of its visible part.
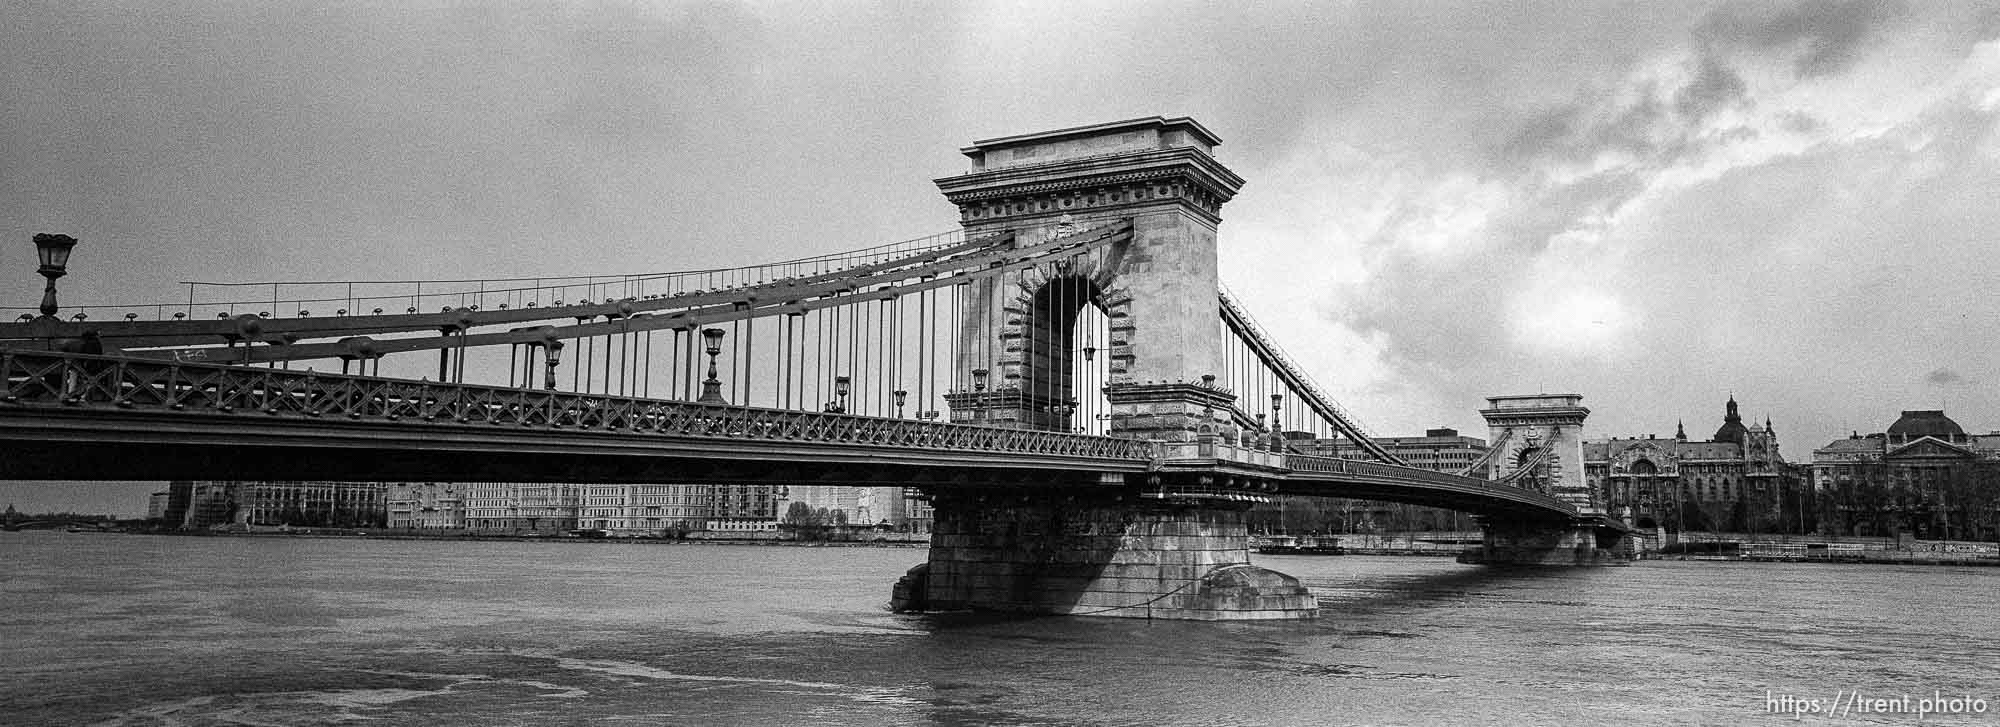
(1943, 378)
(1826, 35)
(1546, 211)
(1605, 182)
(1630, 118)
(1715, 87)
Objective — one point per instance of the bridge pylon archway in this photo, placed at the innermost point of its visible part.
(1158, 290)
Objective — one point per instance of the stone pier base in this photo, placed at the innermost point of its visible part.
(1571, 544)
(1128, 557)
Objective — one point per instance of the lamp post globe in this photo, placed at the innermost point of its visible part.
(52, 251)
(554, 358)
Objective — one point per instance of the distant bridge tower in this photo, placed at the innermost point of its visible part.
(1544, 431)
(1159, 290)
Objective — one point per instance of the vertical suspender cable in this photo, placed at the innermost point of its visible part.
(923, 363)
(796, 341)
(893, 350)
(781, 395)
(853, 354)
(865, 374)
(896, 372)
(957, 328)
(821, 360)
(690, 364)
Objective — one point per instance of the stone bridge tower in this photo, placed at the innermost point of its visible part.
(1545, 430)
(1159, 290)
(1167, 545)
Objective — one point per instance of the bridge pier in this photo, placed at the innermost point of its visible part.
(1119, 555)
(1589, 541)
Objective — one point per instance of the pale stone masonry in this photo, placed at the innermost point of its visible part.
(1170, 545)
(1102, 558)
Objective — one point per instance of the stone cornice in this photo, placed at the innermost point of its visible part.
(1077, 174)
(1517, 417)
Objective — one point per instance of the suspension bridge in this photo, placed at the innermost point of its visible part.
(1064, 377)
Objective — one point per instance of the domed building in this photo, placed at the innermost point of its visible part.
(1923, 477)
(1915, 425)
(1734, 481)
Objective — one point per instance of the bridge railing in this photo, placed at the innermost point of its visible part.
(29, 378)
(1376, 470)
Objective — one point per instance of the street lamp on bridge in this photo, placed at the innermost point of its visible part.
(53, 251)
(711, 389)
(842, 386)
(554, 349)
(1277, 423)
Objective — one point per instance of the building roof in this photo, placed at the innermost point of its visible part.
(1732, 429)
(1931, 447)
(1605, 449)
(1853, 444)
(1926, 423)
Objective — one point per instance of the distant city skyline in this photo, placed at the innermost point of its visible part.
(126, 499)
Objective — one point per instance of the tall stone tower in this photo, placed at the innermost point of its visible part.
(1158, 290)
(1544, 428)
(1149, 192)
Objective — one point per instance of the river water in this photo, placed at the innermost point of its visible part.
(149, 630)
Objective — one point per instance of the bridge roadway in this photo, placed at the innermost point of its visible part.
(73, 416)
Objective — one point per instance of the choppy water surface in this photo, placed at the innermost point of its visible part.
(140, 630)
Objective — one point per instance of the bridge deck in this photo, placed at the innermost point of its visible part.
(72, 416)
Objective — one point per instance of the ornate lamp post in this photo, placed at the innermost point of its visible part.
(711, 389)
(554, 349)
(53, 251)
(1277, 427)
(842, 386)
(979, 379)
(900, 395)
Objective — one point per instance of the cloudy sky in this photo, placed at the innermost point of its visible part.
(1651, 204)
